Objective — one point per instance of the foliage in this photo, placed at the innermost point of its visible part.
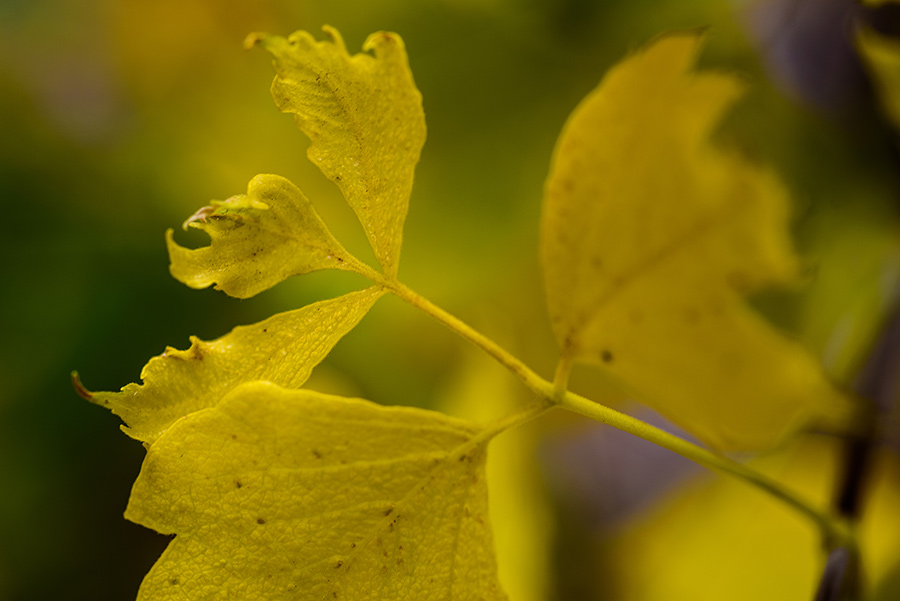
(651, 236)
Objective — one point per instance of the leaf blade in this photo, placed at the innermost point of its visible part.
(258, 239)
(282, 349)
(363, 115)
(650, 236)
(393, 501)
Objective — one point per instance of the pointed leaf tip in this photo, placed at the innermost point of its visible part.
(336, 38)
(253, 39)
(283, 349)
(80, 389)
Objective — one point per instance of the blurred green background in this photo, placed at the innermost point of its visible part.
(121, 117)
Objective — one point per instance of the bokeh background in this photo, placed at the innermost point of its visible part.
(119, 118)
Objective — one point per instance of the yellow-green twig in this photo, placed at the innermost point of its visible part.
(835, 531)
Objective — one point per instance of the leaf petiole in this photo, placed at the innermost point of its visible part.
(835, 531)
(532, 381)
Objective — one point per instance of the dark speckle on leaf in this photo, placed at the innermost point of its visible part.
(606, 356)
(260, 521)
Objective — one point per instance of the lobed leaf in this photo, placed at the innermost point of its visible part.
(364, 118)
(282, 349)
(649, 239)
(258, 240)
(278, 494)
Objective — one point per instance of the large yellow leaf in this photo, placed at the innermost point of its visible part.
(650, 236)
(282, 349)
(363, 115)
(278, 494)
(258, 240)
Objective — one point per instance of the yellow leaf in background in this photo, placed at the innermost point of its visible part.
(650, 236)
(278, 494)
(282, 349)
(521, 512)
(258, 240)
(882, 56)
(720, 539)
(363, 115)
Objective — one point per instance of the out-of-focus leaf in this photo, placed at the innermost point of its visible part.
(277, 494)
(882, 56)
(650, 237)
(282, 349)
(724, 540)
(857, 280)
(521, 515)
(258, 240)
(363, 115)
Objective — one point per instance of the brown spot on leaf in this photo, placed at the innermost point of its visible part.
(606, 356)
(260, 521)
(237, 484)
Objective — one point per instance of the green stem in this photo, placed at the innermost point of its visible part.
(533, 381)
(518, 418)
(834, 531)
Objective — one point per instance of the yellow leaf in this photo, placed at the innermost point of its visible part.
(363, 115)
(649, 238)
(882, 56)
(258, 240)
(278, 494)
(282, 349)
(521, 514)
(720, 539)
